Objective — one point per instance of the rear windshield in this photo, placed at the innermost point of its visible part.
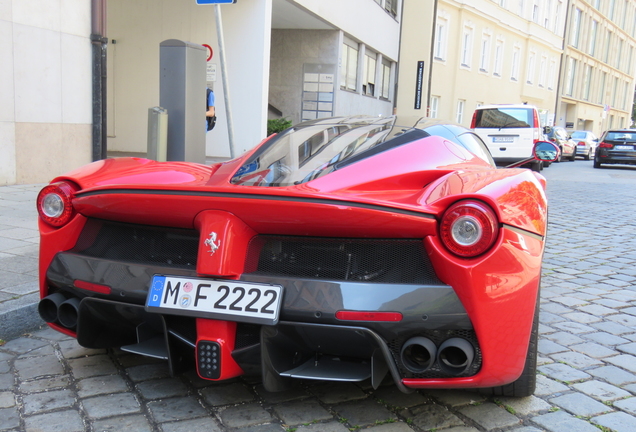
(501, 118)
(579, 134)
(626, 136)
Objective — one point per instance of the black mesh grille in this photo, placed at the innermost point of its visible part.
(337, 259)
(171, 247)
(437, 336)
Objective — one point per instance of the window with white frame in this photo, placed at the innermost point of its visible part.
(557, 16)
(484, 59)
(522, 7)
(608, 44)
(552, 74)
(587, 78)
(543, 71)
(548, 14)
(575, 28)
(441, 34)
(516, 58)
(625, 8)
(368, 74)
(535, 11)
(625, 93)
(569, 77)
(619, 53)
(434, 107)
(530, 69)
(610, 10)
(592, 38)
(467, 46)
(349, 65)
(499, 53)
(615, 91)
(385, 78)
(628, 67)
(502, 3)
(460, 110)
(597, 4)
(601, 88)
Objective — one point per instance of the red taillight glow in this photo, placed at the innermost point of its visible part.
(368, 316)
(473, 122)
(101, 289)
(606, 145)
(468, 228)
(55, 205)
(536, 119)
(581, 143)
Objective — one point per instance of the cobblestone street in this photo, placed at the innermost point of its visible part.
(587, 355)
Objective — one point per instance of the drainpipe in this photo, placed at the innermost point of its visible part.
(98, 45)
(562, 65)
(430, 62)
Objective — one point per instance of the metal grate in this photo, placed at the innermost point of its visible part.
(164, 246)
(337, 259)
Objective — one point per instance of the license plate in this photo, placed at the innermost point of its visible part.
(217, 299)
(624, 147)
(503, 139)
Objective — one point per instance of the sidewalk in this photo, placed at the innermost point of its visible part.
(19, 240)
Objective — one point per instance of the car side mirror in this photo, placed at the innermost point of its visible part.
(545, 151)
(547, 129)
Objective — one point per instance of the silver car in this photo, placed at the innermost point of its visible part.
(586, 143)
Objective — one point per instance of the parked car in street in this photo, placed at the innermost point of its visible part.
(585, 143)
(617, 146)
(561, 138)
(341, 249)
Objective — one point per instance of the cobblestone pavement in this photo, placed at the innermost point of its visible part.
(586, 380)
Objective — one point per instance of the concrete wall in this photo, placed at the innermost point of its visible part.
(45, 88)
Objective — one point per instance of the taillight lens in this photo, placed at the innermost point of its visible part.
(582, 143)
(606, 145)
(473, 122)
(469, 228)
(55, 205)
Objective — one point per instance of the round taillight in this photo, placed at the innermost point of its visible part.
(468, 228)
(55, 205)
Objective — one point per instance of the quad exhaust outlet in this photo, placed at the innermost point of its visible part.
(57, 308)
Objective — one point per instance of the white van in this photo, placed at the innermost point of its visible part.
(509, 131)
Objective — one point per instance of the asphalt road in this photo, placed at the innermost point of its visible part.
(586, 380)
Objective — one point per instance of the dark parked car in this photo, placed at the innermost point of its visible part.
(561, 138)
(616, 147)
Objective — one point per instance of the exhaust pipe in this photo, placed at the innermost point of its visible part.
(455, 356)
(48, 306)
(418, 354)
(68, 312)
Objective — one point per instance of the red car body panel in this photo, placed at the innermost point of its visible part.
(398, 195)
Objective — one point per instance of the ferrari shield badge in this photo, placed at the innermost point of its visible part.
(212, 242)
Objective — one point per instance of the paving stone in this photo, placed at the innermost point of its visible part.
(148, 371)
(555, 308)
(576, 360)
(71, 349)
(180, 408)
(629, 348)
(582, 318)
(336, 392)
(525, 429)
(580, 404)
(226, 394)
(6, 381)
(526, 405)
(563, 372)
(618, 422)
(614, 304)
(593, 349)
(205, 424)
(600, 390)
(46, 383)
(334, 426)
(33, 367)
(574, 327)
(431, 416)
(606, 339)
(569, 301)
(295, 413)
(395, 398)
(596, 310)
(363, 412)
(104, 406)
(23, 345)
(92, 366)
(625, 361)
(623, 319)
(46, 350)
(547, 386)
(278, 397)
(613, 375)
(59, 421)
(564, 338)
(560, 421)
(490, 416)
(10, 418)
(7, 399)
(612, 328)
(162, 388)
(548, 347)
(132, 423)
(550, 318)
(455, 398)
(48, 401)
(245, 415)
(100, 385)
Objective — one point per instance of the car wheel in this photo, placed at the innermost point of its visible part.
(588, 155)
(527, 382)
(536, 166)
(572, 158)
(560, 155)
(597, 163)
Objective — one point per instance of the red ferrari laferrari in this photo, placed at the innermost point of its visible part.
(342, 249)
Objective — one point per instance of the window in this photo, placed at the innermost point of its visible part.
(522, 6)
(530, 70)
(516, 54)
(569, 79)
(460, 110)
(557, 16)
(610, 13)
(593, 29)
(608, 43)
(548, 11)
(434, 106)
(625, 7)
(385, 78)
(467, 42)
(551, 75)
(587, 77)
(368, 75)
(535, 12)
(619, 53)
(440, 38)
(499, 51)
(597, 4)
(625, 93)
(576, 28)
(615, 91)
(391, 7)
(484, 59)
(349, 66)
(601, 88)
(628, 67)
(542, 71)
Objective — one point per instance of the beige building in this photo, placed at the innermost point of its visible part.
(477, 52)
(597, 72)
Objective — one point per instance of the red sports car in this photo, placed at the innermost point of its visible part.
(341, 249)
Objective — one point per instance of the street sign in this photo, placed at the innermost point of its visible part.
(207, 2)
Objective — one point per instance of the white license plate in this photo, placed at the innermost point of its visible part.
(623, 147)
(217, 299)
(503, 139)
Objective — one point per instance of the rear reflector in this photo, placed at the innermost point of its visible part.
(368, 316)
(89, 286)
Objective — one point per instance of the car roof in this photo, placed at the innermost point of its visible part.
(492, 106)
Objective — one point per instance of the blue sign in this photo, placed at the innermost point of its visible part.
(206, 2)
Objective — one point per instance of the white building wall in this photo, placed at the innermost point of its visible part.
(45, 88)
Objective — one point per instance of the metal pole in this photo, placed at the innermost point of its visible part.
(226, 87)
